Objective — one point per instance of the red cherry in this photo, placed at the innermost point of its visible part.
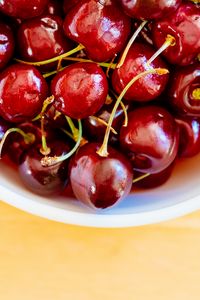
(44, 180)
(22, 92)
(184, 90)
(184, 26)
(6, 44)
(98, 181)
(189, 144)
(100, 26)
(22, 9)
(151, 9)
(146, 88)
(154, 180)
(151, 139)
(80, 90)
(68, 4)
(42, 38)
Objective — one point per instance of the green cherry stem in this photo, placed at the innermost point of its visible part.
(131, 41)
(74, 130)
(50, 161)
(46, 103)
(103, 150)
(141, 177)
(29, 138)
(54, 59)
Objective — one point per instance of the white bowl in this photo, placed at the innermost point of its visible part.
(179, 196)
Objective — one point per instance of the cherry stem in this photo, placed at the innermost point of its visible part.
(50, 161)
(110, 66)
(45, 150)
(131, 41)
(141, 177)
(103, 150)
(103, 123)
(169, 42)
(54, 59)
(124, 110)
(74, 130)
(196, 94)
(46, 103)
(29, 138)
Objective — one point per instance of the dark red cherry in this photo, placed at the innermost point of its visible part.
(44, 180)
(146, 88)
(6, 44)
(23, 9)
(22, 92)
(100, 26)
(54, 7)
(98, 181)
(42, 38)
(68, 4)
(94, 129)
(151, 9)
(154, 180)
(4, 126)
(189, 144)
(151, 139)
(184, 26)
(184, 90)
(80, 90)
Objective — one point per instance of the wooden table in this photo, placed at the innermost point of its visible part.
(44, 260)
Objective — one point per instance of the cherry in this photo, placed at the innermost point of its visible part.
(54, 7)
(154, 180)
(68, 4)
(151, 139)
(22, 92)
(98, 181)
(153, 9)
(22, 9)
(4, 126)
(80, 90)
(94, 127)
(6, 44)
(100, 26)
(146, 88)
(44, 180)
(184, 90)
(189, 144)
(42, 38)
(184, 26)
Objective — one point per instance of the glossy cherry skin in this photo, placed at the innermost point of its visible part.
(98, 181)
(42, 38)
(148, 87)
(95, 130)
(68, 4)
(22, 9)
(154, 180)
(80, 90)
(100, 26)
(22, 92)
(44, 180)
(184, 90)
(6, 44)
(54, 7)
(151, 139)
(184, 26)
(151, 9)
(189, 144)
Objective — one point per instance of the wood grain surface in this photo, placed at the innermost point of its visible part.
(45, 260)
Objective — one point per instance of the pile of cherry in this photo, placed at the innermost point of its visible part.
(100, 95)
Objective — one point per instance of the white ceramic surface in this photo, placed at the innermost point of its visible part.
(179, 196)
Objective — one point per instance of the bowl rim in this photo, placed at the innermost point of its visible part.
(98, 220)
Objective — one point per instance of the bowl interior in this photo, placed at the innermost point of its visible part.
(176, 197)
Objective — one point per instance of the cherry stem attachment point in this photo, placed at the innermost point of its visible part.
(103, 150)
(131, 41)
(46, 103)
(50, 161)
(141, 177)
(29, 138)
(196, 94)
(169, 42)
(54, 59)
